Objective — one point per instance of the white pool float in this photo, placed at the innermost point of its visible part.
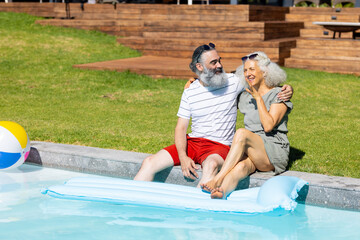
(275, 195)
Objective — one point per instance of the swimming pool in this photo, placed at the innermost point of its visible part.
(25, 213)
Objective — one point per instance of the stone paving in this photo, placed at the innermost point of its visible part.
(330, 191)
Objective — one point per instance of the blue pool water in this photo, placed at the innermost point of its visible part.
(27, 214)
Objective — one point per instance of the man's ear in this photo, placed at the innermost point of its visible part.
(199, 67)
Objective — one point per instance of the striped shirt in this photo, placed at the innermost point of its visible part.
(213, 110)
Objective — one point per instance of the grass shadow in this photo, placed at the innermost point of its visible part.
(295, 155)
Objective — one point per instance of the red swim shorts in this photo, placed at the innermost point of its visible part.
(198, 149)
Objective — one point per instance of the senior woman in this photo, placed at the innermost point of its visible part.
(263, 144)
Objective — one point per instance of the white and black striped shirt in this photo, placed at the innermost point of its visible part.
(213, 110)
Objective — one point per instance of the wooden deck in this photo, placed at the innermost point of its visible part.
(171, 33)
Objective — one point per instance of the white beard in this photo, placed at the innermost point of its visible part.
(211, 79)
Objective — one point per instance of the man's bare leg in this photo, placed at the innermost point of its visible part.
(231, 180)
(210, 167)
(154, 164)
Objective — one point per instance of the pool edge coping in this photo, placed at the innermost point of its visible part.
(323, 190)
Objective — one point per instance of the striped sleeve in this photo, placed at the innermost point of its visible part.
(184, 109)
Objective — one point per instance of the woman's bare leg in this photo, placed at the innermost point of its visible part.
(210, 185)
(231, 180)
(234, 156)
(244, 142)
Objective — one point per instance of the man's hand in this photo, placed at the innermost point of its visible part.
(188, 168)
(286, 93)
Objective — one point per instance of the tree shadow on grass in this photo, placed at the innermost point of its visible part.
(295, 155)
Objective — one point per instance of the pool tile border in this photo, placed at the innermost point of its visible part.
(330, 191)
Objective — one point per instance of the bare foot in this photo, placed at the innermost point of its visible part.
(210, 185)
(218, 193)
(206, 188)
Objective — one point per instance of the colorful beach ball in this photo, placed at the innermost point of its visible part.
(14, 145)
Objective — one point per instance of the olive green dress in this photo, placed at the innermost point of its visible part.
(276, 143)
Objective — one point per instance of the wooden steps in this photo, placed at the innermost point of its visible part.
(331, 55)
(316, 50)
(323, 10)
(319, 31)
(178, 29)
(277, 50)
(155, 29)
(32, 8)
(287, 35)
(240, 38)
(334, 54)
(155, 12)
(333, 66)
(175, 31)
(174, 12)
(327, 43)
(311, 30)
(224, 29)
(310, 15)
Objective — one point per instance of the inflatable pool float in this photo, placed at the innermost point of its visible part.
(276, 194)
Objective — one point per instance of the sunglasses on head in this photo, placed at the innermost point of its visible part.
(205, 48)
(250, 57)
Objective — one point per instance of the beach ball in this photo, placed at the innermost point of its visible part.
(14, 145)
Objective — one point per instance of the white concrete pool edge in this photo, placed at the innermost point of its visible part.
(330, 191)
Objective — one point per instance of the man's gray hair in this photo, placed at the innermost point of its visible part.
(274, 76)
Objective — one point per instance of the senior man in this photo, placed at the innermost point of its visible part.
(211, 102)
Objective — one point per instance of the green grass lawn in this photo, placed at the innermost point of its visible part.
(55, 102)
